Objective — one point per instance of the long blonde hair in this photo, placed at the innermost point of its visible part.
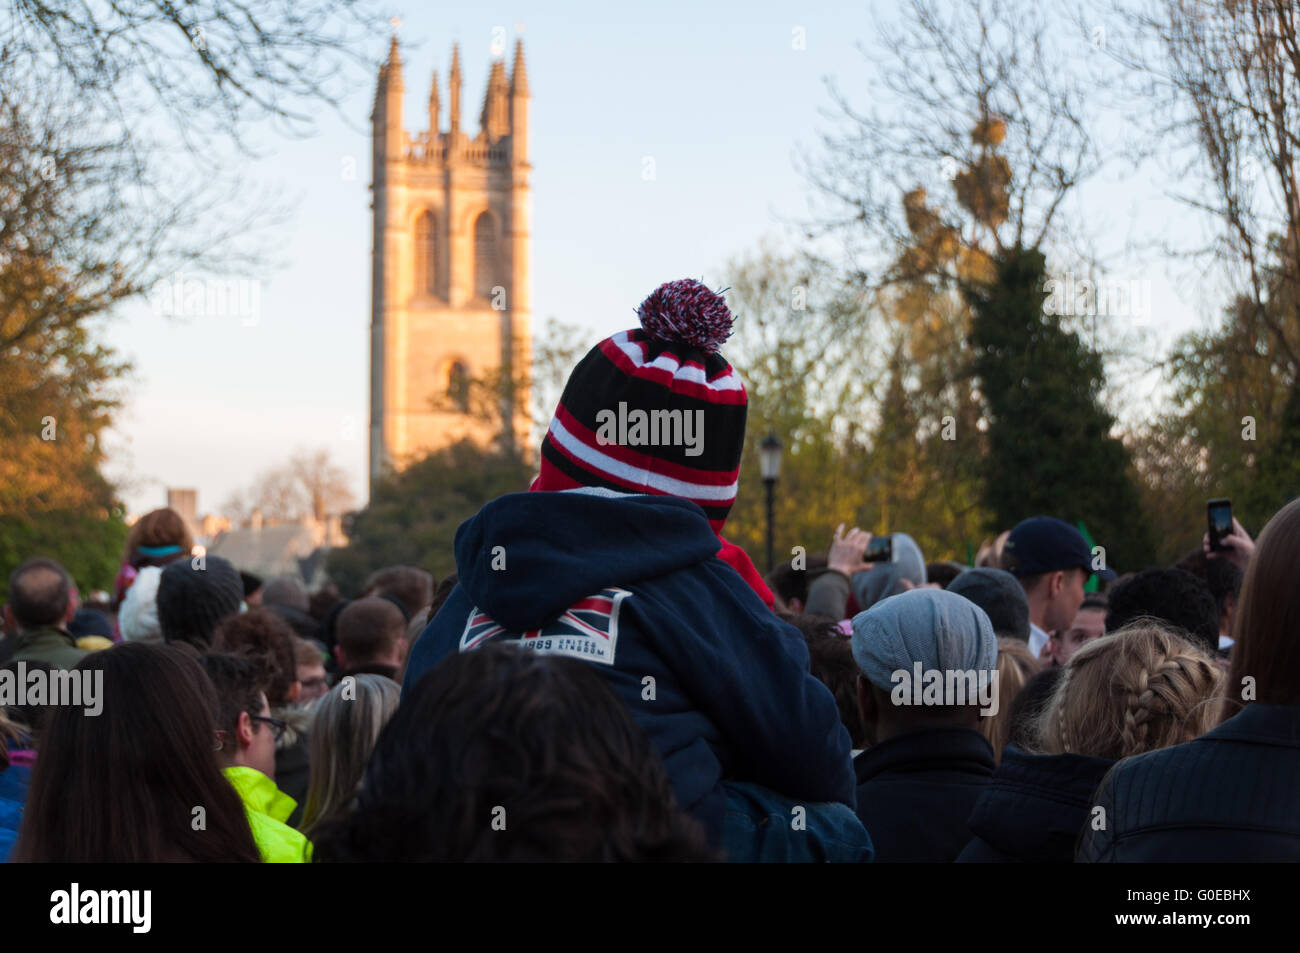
(1016, 666)
(1139, 689)
(346, 725)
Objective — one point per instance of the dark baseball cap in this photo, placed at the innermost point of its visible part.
(1045, 544)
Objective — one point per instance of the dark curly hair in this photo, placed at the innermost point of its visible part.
(1222, 576)
(501, 754)
(1170, 596)
(263, 636)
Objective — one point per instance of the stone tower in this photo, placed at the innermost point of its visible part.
(450, 324)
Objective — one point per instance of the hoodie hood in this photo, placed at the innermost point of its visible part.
(887, 579)
(527, 557)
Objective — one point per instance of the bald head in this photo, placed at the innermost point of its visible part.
(39, 592)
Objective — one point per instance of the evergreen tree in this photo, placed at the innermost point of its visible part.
(1050, 448)
(414, 513)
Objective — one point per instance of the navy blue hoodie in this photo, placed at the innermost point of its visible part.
(633, 585)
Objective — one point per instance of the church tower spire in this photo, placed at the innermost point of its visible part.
(519, 96)
(453, 87)
(495, 119)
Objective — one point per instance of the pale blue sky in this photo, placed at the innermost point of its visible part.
(716, 95)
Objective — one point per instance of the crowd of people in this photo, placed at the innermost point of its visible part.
(607, 678)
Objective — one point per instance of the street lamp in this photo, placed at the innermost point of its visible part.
(769, 461)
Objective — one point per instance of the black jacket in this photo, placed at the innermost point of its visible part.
(1034, 808)
(916, 791)
(1228, 796)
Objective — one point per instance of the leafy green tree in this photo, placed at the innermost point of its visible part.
(413, 514)
(1050, 447)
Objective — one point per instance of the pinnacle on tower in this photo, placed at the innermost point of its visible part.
(518, 74)
(494, 119)
(454, 88)
(393, 68)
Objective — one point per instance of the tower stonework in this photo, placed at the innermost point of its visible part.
(451, 304)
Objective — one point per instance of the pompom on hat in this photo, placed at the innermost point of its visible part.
(663, 380)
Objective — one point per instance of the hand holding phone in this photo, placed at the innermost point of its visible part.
(1226, 538)
(846, 551)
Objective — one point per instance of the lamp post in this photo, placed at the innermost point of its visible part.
(769, 460)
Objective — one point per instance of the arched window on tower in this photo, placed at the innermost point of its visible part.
(458, 386)
(426, 257)
(487, 273)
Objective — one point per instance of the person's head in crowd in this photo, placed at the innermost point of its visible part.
(1053, 562)
(40, 596)
(410, 586)
(264, 637)
(247, 732)
(500, 754)
(944, 572)
(158, 538)
(309, 663)
(122, 787)
(1028, 706)
(1089, 623)
(1173, 597)
(1016, 667)
(941, 631)
(347, 722)
(1267, 621)
(1139, 689)
(905, 570)
(285, 591)
(92, 629)
(790, 585)
(830, 659)
(194, 595)
(321, 601)
(1001, 597)
(252, 588)
(371, 637)
(1224, 579)
(87, 623)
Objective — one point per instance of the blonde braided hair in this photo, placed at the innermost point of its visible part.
(1135, 690)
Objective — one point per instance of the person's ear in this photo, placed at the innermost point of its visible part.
(796, 604)
(1057, 584)
(340, 657)
(244, 730)
(295, 692)
(10, 624)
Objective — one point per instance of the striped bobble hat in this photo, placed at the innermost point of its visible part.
(656, 409)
